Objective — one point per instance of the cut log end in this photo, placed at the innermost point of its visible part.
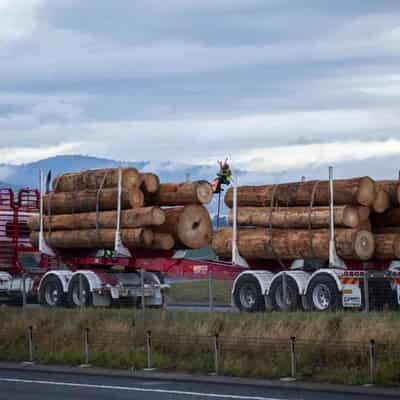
(364, 245)
(150, 183)
(366, 191)
(351, 217)
(382, 201)
(136, 198)
(204, 192)
(195, 227)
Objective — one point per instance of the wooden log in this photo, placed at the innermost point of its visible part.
(389, 218)
(150, 183)
(356, 191)
(95, 179)
(392, 188)
(181, 194)
(95, 239)
(300, 217)
(190, 226)
(258, 243)
(86, 200)
(162, 241)
(381, 202)
(387, 246)
(135, 218)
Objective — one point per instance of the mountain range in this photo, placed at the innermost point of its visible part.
(27, 175)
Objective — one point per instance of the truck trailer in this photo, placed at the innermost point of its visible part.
(100, 278)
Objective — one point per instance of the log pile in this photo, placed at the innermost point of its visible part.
(81, 212)
(291, 220)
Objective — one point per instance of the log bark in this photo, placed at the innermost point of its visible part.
(150, 183)
(181, 194)
(86, 200)
(387, 246)
(162, 241)
(95, 179)
(190, 226)
(258, 243)
(95, 239)
(392, 188)
(356, 191)
(135, 218)
(300, 217)
(381, 202)
(389, 218)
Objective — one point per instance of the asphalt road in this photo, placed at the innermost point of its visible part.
(18, 385)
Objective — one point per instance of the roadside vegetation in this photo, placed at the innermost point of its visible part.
(331, 347)
(197, 292)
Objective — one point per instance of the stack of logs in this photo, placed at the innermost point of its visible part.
(81, 212)
(291, 221)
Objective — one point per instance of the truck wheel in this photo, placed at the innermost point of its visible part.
(79, 297)
(51, 293)
(293, 300)
(247, 295)
(323, 294)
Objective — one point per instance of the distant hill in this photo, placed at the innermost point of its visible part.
(26, 175)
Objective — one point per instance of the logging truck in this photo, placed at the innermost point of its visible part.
(100, 278)
(84, 278)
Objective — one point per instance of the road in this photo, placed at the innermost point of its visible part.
(19, 385)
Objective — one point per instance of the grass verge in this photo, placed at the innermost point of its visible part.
(331, 347)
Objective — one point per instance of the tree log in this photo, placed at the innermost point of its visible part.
(135, 218)
(392, 188)
(150, 183)
(356, 191)
(162, 241)
(181, 194)
(381, 202)
(300, 217)
(387, 246)
(95, 179)
(389, 218)
(258, 243)
(95, 239)
(190, 226)
(86, 200)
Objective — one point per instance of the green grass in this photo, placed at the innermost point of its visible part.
(252, 345)
(197, 292)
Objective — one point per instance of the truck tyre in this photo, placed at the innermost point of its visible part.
(323, 294)
(248, 295)
(275, 296)
(77, 299)
(51, 292)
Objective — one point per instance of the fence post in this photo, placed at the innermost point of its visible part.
(210, 291)
(30, 344)
(86, 348)
(216, 353)
(366, 291)
(149, 345)
(372, 360)
(293, 356)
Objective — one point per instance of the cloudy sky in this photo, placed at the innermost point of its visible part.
(271, 83)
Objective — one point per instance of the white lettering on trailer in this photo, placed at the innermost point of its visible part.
(351, 296)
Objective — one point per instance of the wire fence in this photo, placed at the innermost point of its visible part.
(291, 358)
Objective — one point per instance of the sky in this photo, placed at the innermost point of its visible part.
(272, 84)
